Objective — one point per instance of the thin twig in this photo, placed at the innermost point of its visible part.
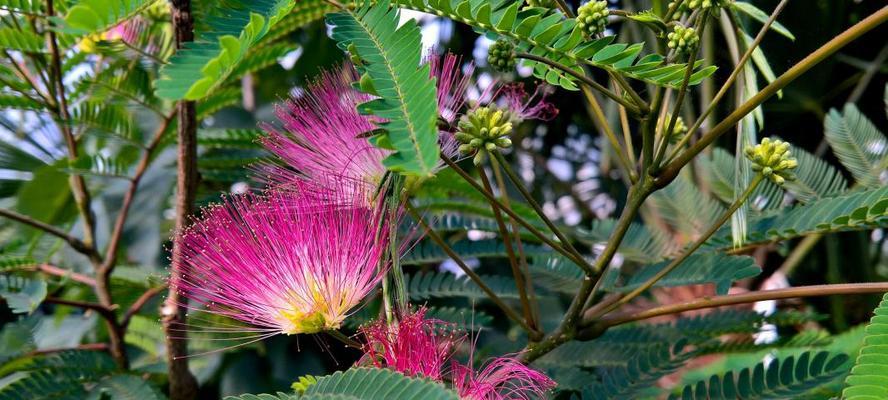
(74, 242)
(539, 210)
(491, 198)
(468, 271)
(101, 309)
(82, 347)
(344, 339)
(510, 252)
(64, 273)
(139, 303)
(686, 253)
(744, 298)
(582, 78)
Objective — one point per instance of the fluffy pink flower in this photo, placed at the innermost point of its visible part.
(503, 378)
(522, 106)
(283, 262)
(323, 132)
(413, 346)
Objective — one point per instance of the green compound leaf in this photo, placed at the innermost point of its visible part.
(376, 384)
(869, 376)
(547, 33)
(202, 66)
(717, 268)
(390, 57)
(785, 378)
(95, 16)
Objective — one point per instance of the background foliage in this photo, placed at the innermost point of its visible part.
(248, 55)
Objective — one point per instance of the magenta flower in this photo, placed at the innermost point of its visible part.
(503, 378)
(522, 106)
(412, 346)
(452, 83)
(283, 262)
(324, 134)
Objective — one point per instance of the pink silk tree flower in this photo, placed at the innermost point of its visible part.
(452, 83)
(412, 346)
(522, 106)
(503, 378)
(322, 132)
(283, 262)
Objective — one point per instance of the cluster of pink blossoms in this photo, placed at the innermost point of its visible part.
(299, 257)
(417, 346)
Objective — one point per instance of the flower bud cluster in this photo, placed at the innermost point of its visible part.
(683, 39)
(501, 56)
(483, 130)
(773, 159)
(677, 131)
(592, 17)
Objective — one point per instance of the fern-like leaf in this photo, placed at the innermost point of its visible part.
(786, 378)
(94, 16)
(546, 33)
(390, 58)
(436, 285)
(377, 384)
(857, 143)
(717, 268)
(859, 210)
(203, 66)
(869, 376)
(429, 252)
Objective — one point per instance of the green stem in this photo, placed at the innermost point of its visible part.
(867, 24)
(685, 254)
(469, 272)
(741, 64)
(582, 78)
(522, 258)
(679, 100)
(510, 252)
(492, 199)
(539, 210)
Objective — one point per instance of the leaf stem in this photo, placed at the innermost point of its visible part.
(469, 272)
(679, 100)
(539, 210)
(344, 339)
(582, 78)
(510, 252)
(492, 199)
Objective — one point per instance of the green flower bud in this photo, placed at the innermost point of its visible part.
(592, 17)
(501, 56)
(483, 130)
(677, 131)
(772, 159)
(683, 39)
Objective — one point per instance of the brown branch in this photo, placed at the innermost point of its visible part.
(87, 346)
(74, 242)
(106, 312)
(56, 271)
(744, 298)
(139, 303)
(182, 384)
(117, 232)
